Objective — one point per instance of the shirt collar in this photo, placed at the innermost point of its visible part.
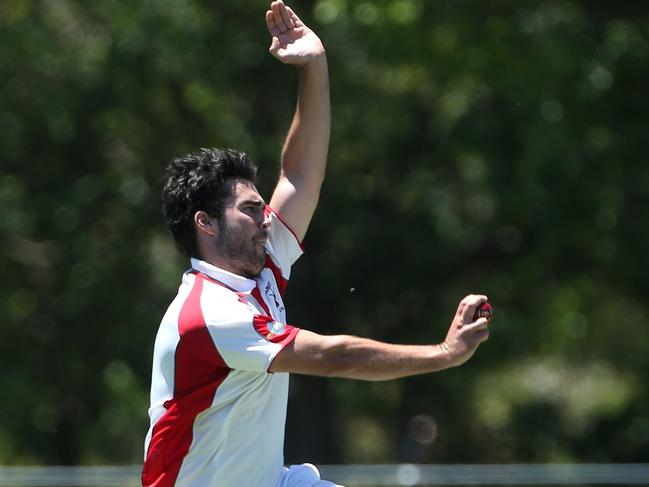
(238, 283)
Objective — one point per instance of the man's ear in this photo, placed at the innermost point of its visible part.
(204, 224)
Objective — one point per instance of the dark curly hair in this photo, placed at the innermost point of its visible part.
(197, 181)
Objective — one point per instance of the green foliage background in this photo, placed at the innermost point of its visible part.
(497, 147)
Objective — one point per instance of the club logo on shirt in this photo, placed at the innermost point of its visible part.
(275, 328)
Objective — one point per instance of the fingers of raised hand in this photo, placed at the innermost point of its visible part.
(296, 20)
(271, 24)
(283, 19)
(468, 305)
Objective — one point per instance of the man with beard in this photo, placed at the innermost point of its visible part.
(224, 349)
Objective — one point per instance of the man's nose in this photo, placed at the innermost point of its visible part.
(265, 224)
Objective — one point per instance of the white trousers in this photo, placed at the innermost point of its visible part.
(305, 475)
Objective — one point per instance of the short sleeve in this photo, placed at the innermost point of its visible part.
(283, 245)
(246, 340)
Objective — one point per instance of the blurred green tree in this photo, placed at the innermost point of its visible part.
(477, 147)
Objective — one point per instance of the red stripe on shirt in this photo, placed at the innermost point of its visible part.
(199, 370)
(268, 209)
(277, 272)
(256, 293)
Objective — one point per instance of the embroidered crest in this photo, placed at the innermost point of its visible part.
(275, 328)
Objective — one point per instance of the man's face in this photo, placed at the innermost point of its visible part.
(243, 230)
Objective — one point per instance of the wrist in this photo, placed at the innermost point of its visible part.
(315, 62)
(446, 356)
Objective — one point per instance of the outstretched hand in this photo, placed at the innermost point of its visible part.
(293, 42)
(465, 335)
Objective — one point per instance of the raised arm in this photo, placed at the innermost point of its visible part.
(304, 155)
(361, 358)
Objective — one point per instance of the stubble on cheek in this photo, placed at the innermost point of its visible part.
(251, 260)
(245, 254)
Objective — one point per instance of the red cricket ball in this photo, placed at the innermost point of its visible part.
(485, 310)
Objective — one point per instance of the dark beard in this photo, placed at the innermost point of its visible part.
(244, 255)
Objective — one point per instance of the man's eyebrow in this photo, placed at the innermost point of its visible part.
(254, 201)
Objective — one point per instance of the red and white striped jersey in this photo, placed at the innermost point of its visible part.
(217, 414)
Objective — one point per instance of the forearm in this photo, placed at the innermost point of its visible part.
(360, 358)
(304, 155)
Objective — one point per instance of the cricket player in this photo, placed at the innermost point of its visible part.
(224, 350)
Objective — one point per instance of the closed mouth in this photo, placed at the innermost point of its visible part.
(262, 238)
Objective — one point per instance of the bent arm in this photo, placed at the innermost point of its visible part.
(304, 155)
